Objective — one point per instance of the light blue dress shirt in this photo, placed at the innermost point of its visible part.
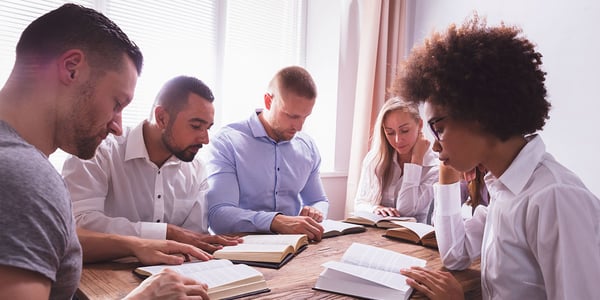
(252, 178)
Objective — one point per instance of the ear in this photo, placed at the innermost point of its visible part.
(70, 65)
(268, 100)
(161, 116)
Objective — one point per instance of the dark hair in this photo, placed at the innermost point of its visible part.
(73, 26)
(478, 73)
(295, 79)
(173, 96)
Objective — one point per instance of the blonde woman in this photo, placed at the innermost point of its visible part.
(399, 170)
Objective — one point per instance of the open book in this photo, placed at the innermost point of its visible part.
(371, 219)
(368, 272)
(417, 233)
(224, 279)
(265, 250)
(335, 228)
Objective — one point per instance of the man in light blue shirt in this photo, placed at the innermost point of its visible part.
(263, 173)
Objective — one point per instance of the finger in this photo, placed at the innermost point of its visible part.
(304, 211)
(207, 247)
(167, 259)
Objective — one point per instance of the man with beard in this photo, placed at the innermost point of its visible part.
(74, 72)
(146, 183)
(264, 172)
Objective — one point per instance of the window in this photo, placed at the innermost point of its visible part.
(234, 46)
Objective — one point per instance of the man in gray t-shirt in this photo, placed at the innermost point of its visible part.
(38, 229)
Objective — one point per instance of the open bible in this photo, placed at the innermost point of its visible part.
(368, 272)
(417, 233)
(224, 279)
(335, 228)
(265, 250)
(371, 219)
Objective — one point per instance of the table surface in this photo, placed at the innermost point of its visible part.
(294, 280)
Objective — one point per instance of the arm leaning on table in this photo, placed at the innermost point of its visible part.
(166, 284)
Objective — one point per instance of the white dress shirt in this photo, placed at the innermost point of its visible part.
(410, 191)
(538, 239)
(121, 191)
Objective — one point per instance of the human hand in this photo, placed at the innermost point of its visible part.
(434, 284)
(206, 242)
(297, 224)
(448, 174)
(419, 149)
(312, 212)
(168, 284)
(386, 211)
(155, 252)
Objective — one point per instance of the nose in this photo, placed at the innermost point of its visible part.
(203, 137)
(115, 125)
(298, 124)
(437, 147)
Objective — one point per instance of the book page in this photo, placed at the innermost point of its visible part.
(331, 225)
(189, 267)
(420, 229)
(261, 248)
(278, 239)
(381, 259)
(393, 280)
(222, 276)
(376, 218)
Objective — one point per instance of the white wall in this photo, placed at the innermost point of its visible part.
(567, 35)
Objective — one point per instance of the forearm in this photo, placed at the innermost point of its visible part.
(459, 242)
(228, 219)
(414, 196)
(98, 246)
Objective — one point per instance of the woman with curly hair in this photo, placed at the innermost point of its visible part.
(399, 171)
(485, 99)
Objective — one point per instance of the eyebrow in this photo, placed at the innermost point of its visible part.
(200, 120)
(402, 125)
(434, 120)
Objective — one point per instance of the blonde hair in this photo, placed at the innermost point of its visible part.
(384, 152)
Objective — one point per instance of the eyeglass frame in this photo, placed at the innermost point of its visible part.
(431, 123)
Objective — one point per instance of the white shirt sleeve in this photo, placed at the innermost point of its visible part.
(459, 242)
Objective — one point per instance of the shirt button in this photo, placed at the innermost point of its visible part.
(158, 196)
(158, 171)
(277, 169)
(158, 221)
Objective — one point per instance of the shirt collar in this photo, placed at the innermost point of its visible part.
(258, 130)
(136, 147)
(522, 167)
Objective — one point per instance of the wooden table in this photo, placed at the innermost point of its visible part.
(292, 281)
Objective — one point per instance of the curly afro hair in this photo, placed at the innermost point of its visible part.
(491, 75)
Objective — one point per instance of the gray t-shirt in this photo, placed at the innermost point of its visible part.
(37, 229)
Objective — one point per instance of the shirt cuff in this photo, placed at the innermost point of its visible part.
(412, 173)
(447, 198)
(155, 231)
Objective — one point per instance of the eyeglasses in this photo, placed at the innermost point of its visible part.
(436, 134)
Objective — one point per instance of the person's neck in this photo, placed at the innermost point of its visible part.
(263, 120)
(502, 154)
(32, 112)
(157, 151)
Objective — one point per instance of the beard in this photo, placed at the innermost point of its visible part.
(83, 139)
(182, 154)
